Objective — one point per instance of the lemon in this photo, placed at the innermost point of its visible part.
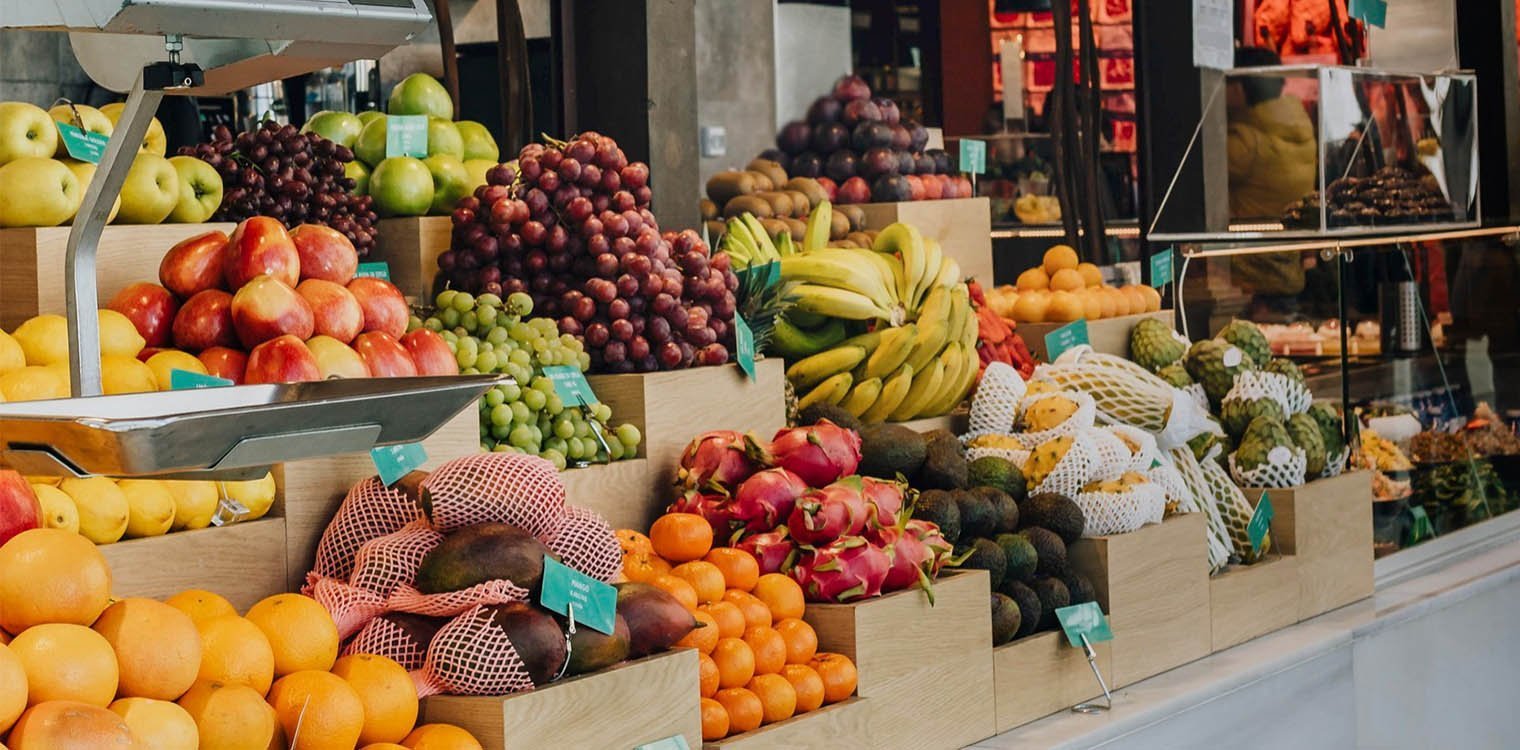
(11, 355)
(118, 336)
(32, 383)
(164, 363)
(58, 511)
(255, 494)
(150, 507)
(44, 340)
(119, 374)
(194, 503)
(61, 371)
(49, 481)
(103, 508)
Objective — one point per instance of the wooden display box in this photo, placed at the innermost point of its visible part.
(616, 490)
(624, 706)
(32, 264)
(1327, 525)
(411, 246)
(1249, 601)
(1041, 674)
(963, 227)
(1107, 336)
(1154, 585)
(839, 726)
(958, 422)
(925, 671)
(244, 562)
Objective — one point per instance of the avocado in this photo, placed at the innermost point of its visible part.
(1080, 588)
(1049, 550)
(994, 471)
(1020, 559)
(1055, 512)
(1005, 618)
(480, 553)
(1030, 609)
(939, 507)
(984, 555)
(591, 650)
(944, 463)
(1053, 596)
(535, 636)
(831, 412)
(978, 517)
(1005, 510)
(887, 450)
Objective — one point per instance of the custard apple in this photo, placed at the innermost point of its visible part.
(1215, 363)
(1305, 433)
(1153, 345)
(1175, 374)
(1250, 339)
(1236, 413)
(1286, 368)
(1329, 427)
(1262, 436)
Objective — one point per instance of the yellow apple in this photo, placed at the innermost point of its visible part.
(90, 119)
(151, 191)
(155, 142)
(25, 130)
(85, 171)
(37, 191)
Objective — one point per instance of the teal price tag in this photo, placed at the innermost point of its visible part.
(595, 602)
(744, 341)
(406, 135)
(973, 156)
(377, 270)
(1084, 619)
(677, 742)
(82, 144)
(396, 461)
(1161, 268)
(571, 385)
(184, 380)
(1374, 12)
(1261, 523)
(1063, 338)
(1421, 529)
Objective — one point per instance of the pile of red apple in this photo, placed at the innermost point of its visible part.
(270, 306)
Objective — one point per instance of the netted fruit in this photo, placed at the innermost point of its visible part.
(1249, 339)
(1154, 345)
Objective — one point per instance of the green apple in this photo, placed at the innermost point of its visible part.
(478, 142)
(200, 190)
(36, 191)
(421, 94)
(477, 169)
(451, 181)
(85, 171)
(359, 173)
(370, 146)
(155, 142)
(341, 128)
(26, 130)
(369, 114)
(402, 186)
(444, 138)
(89, 118)
(151, 191)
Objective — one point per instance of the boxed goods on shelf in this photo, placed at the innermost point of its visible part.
(963, 227)
(1327, 525)
(1107, 335)
(410, 248)
(1247, 601)
(837, 726)
(1041, 674)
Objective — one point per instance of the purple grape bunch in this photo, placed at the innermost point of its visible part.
(276, 170)
(571, 227)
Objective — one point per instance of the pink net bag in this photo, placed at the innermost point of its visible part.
(513, 488)
(370, 509)
(585, 541)
(472, 656)
(391, 637)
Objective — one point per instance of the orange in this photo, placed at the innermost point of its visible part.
(440, 737)
(769, 648)
(680, 537)
(782, 594)
(714, 720)
(13, 688)
(1091, 274)
(70, 725)
(728, 616)
(801, 640)
(158, 649)
(51, 576)
(703, 637)
(736, 662)
(229, 717)
(642, 568)
(704, 577)
(159, 725)
(235, 651)
(1060, 257)
(1139, 301)
(745, 711)
(383, 746)
(201, 605)
(387, 692)
(678, 588)
(756, 614)
(1032, 307)
(66, 663)
(300, 631)
(1064, 307)
(778, 700)
(806, 684)
(740, 569)
(838, 674)
(1092, 303)
(707, 668)
(327, 709)
(1033, 279)
(633, 542)
(1067, 279)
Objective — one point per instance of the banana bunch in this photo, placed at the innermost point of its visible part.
(748, 244)
(889, 282)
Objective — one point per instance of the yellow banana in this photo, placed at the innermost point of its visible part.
(832, 390)
(841, 270)
(960, 313)
(932, 257)
(954, 364)
(862, 396)
(949, 273)
(820, 223)
(806, 373)
(893, 391)
(905, 241)
(933, 328)
(896, 345)
(762, 237)
(873, 259)
(867, 341)
(926, 385)
(959, 387)
(837, 303)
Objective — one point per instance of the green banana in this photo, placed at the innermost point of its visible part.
(926, 385)
(841, 270)
(832, 390)
(862, 396)
(837, 303)
(806, 320)
(762, 238)
(819, 225)
(893, 390)
(933, 328)
(792, 343)
(784, 246)
(808, 372)
(906, 241)
(896, 345)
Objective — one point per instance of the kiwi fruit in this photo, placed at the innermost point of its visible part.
(725, 186)
(774, 227)
(781, 203)
(839, 226)
(798, 229)
(809, 187)
(857, 216)
(763, 181)
(753, 204)
(708, 208)
(802, 205)
(771, 169)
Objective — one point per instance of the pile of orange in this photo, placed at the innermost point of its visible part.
(760, 661)
(79, 670)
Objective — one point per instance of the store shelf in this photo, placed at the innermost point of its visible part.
(957, 421)
(1106, 336)
(410, 247)
(616, 490)
(1249, 601)
(1040, 674)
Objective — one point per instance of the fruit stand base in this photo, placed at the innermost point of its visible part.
(1249, 601)
(1327, 525)
(838, 726)
(1041, 674)
(244, 562)
(1106, 336)
(410, 248)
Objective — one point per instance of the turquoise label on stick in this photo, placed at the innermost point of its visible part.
(595, 602)
(184, 380)
(973, 156)
(377, 270)
(82, 144)
(571, 385)
(406, 135)
(396, 461)
(1374, 12)
(1084, 619)
(677, 742)
(1261, 523)
(1421, 529)
(1161, 268)
(744, 341)
(1065, 337)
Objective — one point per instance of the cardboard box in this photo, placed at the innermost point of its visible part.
(963, 227)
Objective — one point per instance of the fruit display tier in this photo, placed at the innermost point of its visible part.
(1247, 601)
(410, 248)
(245, 561)
(1048, 660)
(1107, 336)
(1327, 525)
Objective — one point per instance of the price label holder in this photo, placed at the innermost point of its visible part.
(1085, 624)
(1161, 268)
(396, 461)
(573, 388)
(185, 380)
(580, 598)
(82, 144)
(973, 157)
(1421, 528)
(677, 742)
(406, 135)
(376, 270)
(1065, 337)
(1374, 12)
(744, 341)
(1260, 527)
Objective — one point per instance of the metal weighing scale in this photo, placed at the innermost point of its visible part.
(153, 47)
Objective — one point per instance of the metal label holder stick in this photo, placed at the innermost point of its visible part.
(1091, 707)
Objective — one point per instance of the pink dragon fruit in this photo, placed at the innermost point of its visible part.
(819, 453)
(847, 569)
(765, 500)
(721, 458)
(940, 551)
(823, 515)
(909, 556)
(714, 507)
(885, 496)
(771, 549)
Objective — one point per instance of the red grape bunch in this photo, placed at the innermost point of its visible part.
(295, 177)
(571, 226)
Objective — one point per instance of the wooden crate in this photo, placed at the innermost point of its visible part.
(842, 725)
(624, 706)
(958, 422)
(1249, 601)
(618, 491)
(1154, 585)
(925, 671)
(1327, 525)
(1108, 336)
(411, 246)
(963, 227)
(244, 562)
(1041, 674)
(32, 264)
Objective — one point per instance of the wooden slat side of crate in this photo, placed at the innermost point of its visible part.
(243, 562)
(410, 247)
(1327, 525)
(1249, 601)
(839, 726)
(957, 421)
(1041, 674)
(1107, 336)
(963, 227)
(619, 491)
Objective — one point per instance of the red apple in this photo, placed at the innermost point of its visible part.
(934, 186)
(384, 355)
(194, 265)
(284, 359)
(151, 309)
(830, 188)
(266, 308)
(337, 312)
(204, 321)
(261, 246)
(336, 359)
(430, 353)
(963, 187)
(854, 190)
(384, 307)
(915, 186)
(225, 363)
(19, 509)
(325, 253)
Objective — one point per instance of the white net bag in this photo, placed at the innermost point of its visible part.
(1141, 445)
(1198, 395)
(996, 403)
(1016, 456)
(1109, 513)
(1112, 456)
(1125, 393)
(1336, 464)
(1073, 471)
(1285, 467)
(1292, 396)
(1083, 418)
(1201, 500)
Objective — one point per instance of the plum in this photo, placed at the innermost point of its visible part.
(923, 164)
(809, 164)
(824, 109)
(889, 112)
(902, 140)
(829, 137)
(905, 162)
(918, 135)
(850, 88)
(794, 137)
(868, 135)
(877, 162)
(941, 160)
(842, 165)
(860, 110)
(891, 188)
